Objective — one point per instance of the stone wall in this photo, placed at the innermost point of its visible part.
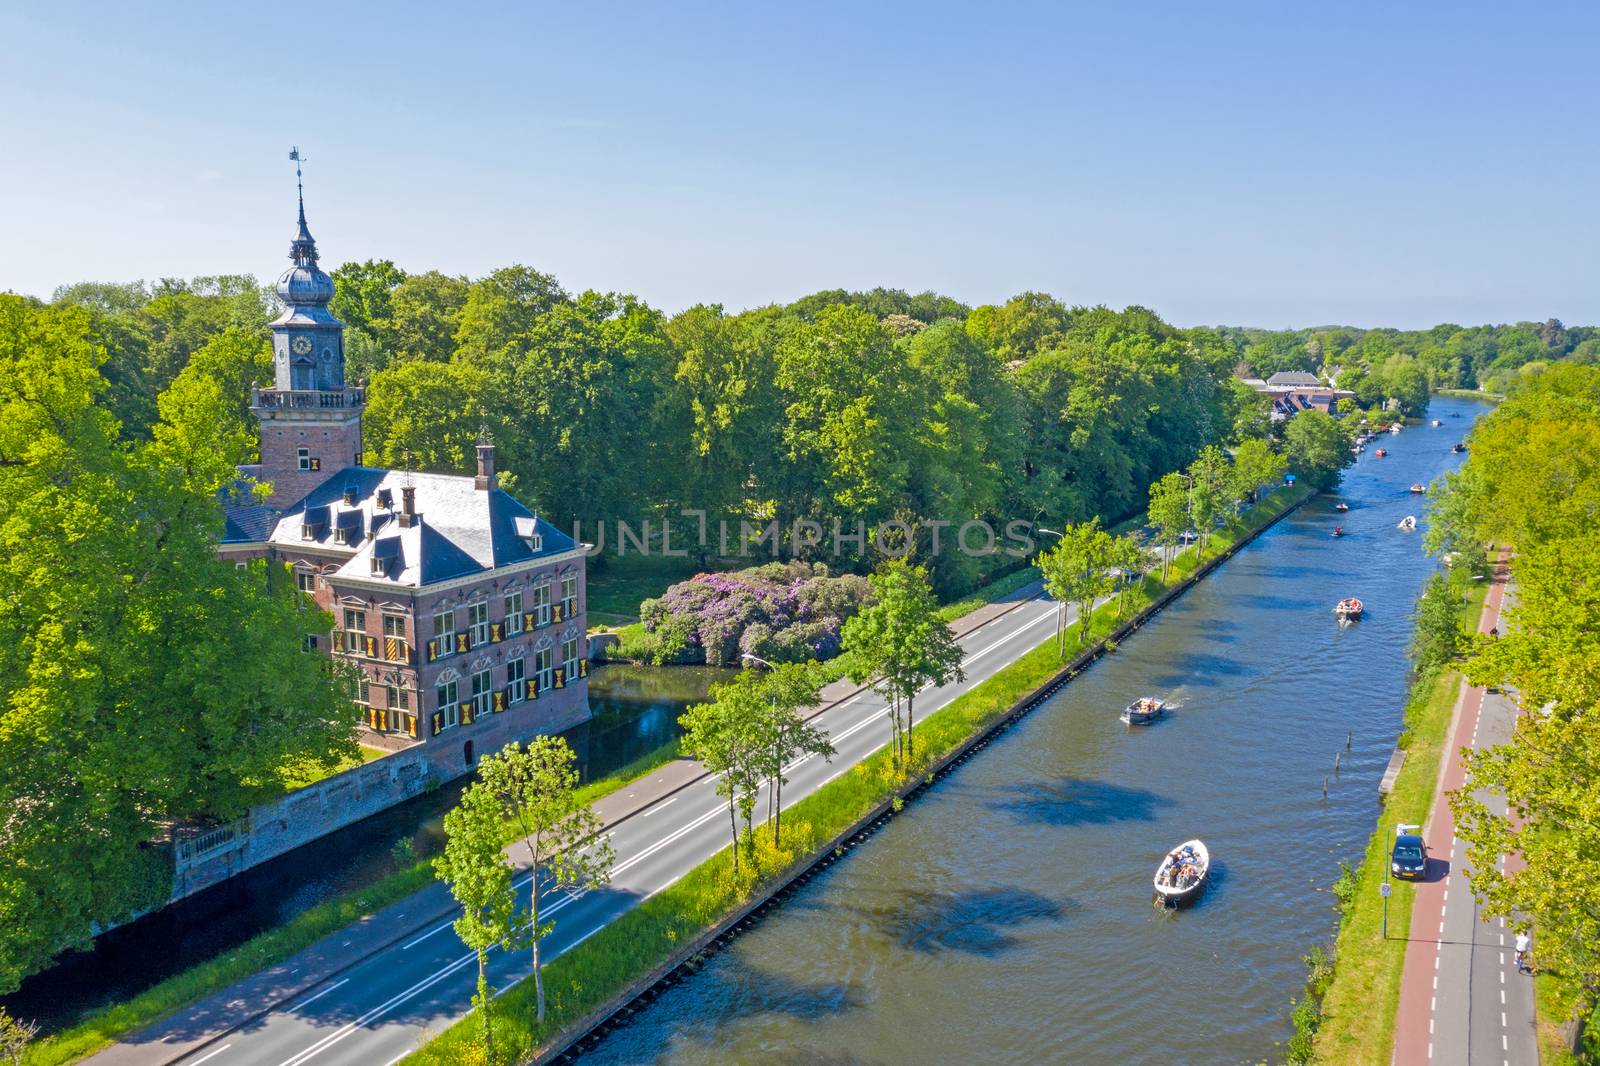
(301, 817)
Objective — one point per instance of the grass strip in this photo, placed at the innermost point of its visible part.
(586, 978)
(104, 1027)
(1359, 1007)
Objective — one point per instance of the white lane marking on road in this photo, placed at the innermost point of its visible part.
(1502, 995)
(658, 806)
(397, 1058)
(380, 1010)
(424, 936)
(319, 995)
(213, 1055)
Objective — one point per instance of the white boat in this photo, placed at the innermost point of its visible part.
(1395, 428)
(1182, 873)
(1144, 710)
(1349, 609)
(1418, 489)
(1408, 523)
(1438, 422)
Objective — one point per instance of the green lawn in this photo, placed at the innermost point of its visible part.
(644, 938)
(1358, 1011)
(299, 775)
(616, 587)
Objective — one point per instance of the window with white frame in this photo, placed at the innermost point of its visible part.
(395, 648)
(399, 699)
(355, 631)
(449, 709)
(569, 595)
(478, 622)
(516, 683)
(363, 692)
(480, 692)
(513, 604)
(541, 603)
(543, 669)
(444, 628)
(306, 581)
(303, 458)
(569, 656)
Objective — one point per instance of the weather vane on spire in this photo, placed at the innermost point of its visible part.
(294, 154)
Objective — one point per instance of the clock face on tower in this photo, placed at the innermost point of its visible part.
(300, 345)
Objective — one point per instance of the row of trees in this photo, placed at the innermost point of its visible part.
(1532, 482)
(1382, 364)
(859, 406)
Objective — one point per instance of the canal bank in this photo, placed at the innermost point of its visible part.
(1008, 918)
(652, 944)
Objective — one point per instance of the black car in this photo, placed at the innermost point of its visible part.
(1409, 858)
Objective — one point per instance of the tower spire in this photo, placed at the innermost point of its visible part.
(303, 250)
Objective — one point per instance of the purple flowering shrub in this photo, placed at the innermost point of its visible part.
(785, 612)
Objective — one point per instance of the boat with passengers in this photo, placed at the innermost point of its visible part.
(1144, 710)
(1182, 873)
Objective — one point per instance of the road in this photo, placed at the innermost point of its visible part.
(379, 1011)
(1462, 999)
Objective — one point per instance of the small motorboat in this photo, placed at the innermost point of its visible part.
(1182, 873)
(1437, 422)
(1395, 429)
(1349, 609)
(1419, 488)
(1407, 524)
(1458, 447)
(1341, 507)
(1338, 531)
(1381, 452)
(1144, 710)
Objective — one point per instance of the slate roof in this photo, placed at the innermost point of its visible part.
(461, 529)
(246, 520)
(1294, 377)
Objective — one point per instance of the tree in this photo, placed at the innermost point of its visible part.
(426, 416)
(126, 708)
(723, 735)
(475, 867)
(898, 643)
(1129, 558)
(1317, 448)
(1255, 464)
(500, 306)
(784, 735)
(1169, 514)
(1437, 638)
(1211, 486)
(535, 788)
(424, 313)
(1078, 571)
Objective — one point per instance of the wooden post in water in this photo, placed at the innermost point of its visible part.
(1324, 788)
(1336, 757)
(1347, 738)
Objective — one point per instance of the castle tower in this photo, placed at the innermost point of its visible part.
(310, 419)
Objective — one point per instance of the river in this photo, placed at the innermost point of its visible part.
(1006, 916)
(635, 712)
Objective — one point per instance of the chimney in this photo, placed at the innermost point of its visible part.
(486, 477)
(408, 506)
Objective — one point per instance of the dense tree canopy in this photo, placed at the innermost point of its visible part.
(1532, 482)
(126, 706)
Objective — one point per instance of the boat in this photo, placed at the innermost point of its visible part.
(1338, 531)
(1349, 609)
(1182, 873)
(1419, 488)
(1458, 447)
(1144, 710)
(1438, 422)
(1408, 523)
(1341, 507)
(1395, 429)
(1381, 452)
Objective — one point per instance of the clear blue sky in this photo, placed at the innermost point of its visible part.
(1269, 164)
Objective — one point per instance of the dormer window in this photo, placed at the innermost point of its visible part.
(386, 499)
(380, 566)
(314, 524)
(350, 496)
(528, 533)
(347, 527)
